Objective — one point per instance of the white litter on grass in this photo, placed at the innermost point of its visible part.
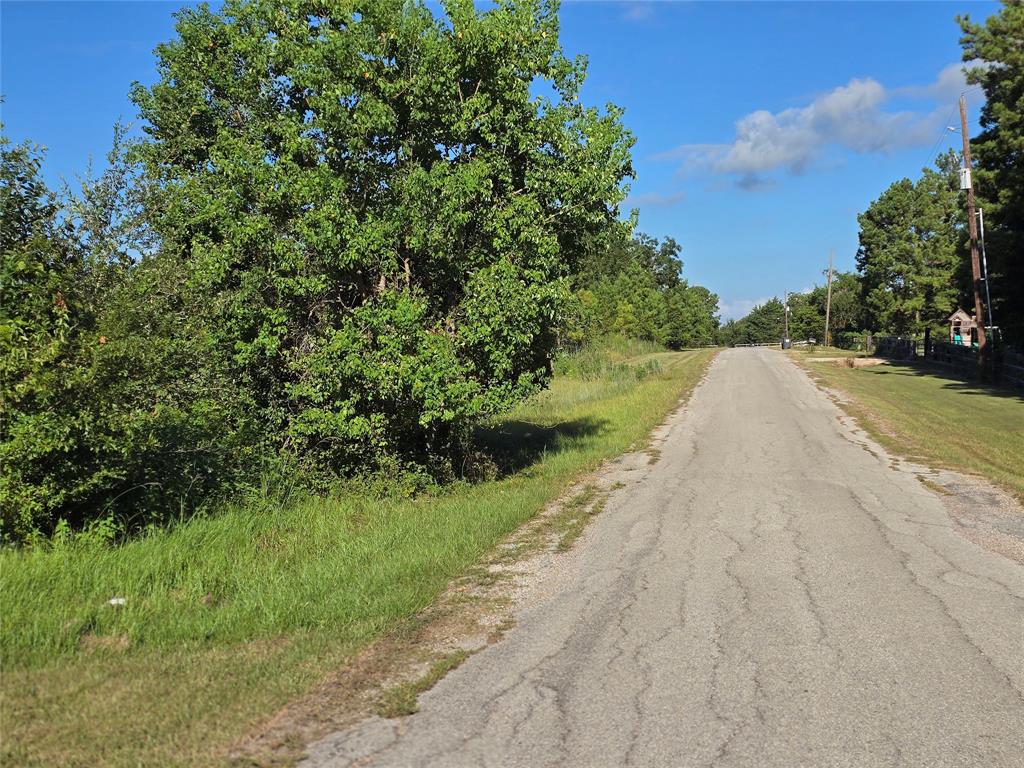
(116, 601)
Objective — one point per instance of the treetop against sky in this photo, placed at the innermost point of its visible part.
(762, 129)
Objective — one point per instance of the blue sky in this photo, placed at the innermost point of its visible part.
(762, 128)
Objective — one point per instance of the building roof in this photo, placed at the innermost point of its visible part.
(961, 314)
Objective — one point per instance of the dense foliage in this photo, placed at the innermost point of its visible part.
(107, 401)
(385, 245)
(909, 256)
(764, 324)
(634, 287)
(346, 238)
(997, 48)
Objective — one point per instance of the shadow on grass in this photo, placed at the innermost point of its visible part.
(958, 382)
(516, 445)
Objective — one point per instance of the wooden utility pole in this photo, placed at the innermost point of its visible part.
(828, 301)
(972, 228)
(785, 332)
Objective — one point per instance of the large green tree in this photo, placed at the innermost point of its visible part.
(908, 258)
(692, 316)
(847, 312)
(997, 48)
(806, 317)
(376, 208)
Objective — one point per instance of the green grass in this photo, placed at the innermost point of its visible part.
(823, 351)
(403, 699)
(928, 415)
(227, 618)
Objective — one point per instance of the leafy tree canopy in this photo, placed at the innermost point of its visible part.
(908, 256)
(634, 287)
(376, 210)
(764, 324)
(347, 236)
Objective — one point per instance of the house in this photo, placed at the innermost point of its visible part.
(962, 329)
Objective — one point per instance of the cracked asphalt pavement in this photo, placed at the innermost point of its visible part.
(774, 591)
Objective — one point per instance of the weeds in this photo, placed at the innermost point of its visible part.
(227, 617)
(401, 700)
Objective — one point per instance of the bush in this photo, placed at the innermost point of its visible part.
(349, 261)
(109, 405)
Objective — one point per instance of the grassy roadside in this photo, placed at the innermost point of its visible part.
(823, 351)
(927, 415)
(227, 618)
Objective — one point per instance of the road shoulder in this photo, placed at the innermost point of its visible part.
(474, 612)
(981, 511)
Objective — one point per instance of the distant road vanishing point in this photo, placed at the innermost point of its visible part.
(770, 594)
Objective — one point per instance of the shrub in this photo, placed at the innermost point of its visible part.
(375, 213)
(110, 405)
(359, 227)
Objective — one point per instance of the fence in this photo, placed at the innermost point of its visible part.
(895, 347)
(1007, 365)
(860, 342)
(954, 355)
(1010, 368)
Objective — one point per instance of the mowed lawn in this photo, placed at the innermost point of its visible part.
(926, 413)
(228, 617)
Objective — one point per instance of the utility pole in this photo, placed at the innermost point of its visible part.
(972, 228)
(785, 332)
(828, 301)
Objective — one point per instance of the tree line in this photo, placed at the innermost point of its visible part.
(342, 241)
(634, 288)
(913, 265)
(765, 323)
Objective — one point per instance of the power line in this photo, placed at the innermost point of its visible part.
(932, 154)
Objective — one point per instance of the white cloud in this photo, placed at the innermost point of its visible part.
(948, 85)
(851, 116)
(734, 309)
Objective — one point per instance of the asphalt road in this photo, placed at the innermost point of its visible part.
(772, 593)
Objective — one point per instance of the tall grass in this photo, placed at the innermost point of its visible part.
(226, 617)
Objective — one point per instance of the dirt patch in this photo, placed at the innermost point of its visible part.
(862, 362)
(848, 362)
(386, 676)
(402, 699)
(984, 514)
